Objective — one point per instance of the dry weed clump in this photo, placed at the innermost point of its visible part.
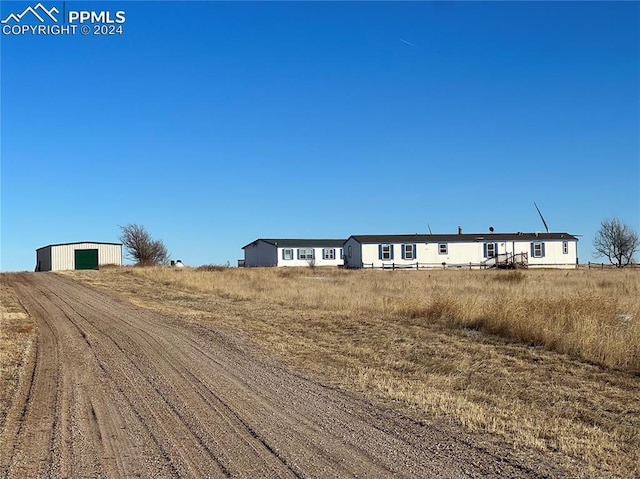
(515, 276)
(110, 266)
(212, 267)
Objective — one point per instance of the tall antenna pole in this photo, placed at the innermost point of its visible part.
(541, 217)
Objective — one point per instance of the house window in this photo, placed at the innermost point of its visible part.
(341, 253)
(287, 254)
(443, 248)
(538, 250)
(565, 247)
(386, 251)
(408, 251)
(349, 251)
(305, 253)
(490, 250)
(328, 253)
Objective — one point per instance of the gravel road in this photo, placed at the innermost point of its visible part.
(113, 390)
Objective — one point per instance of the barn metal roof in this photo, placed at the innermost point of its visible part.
(78, 242)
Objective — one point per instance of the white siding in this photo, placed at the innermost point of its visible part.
(461, 253)
(427, 254)
(262, 253)
(317, 255)
(458, 253)
(553, 254)
(369, 255)
(62, 257)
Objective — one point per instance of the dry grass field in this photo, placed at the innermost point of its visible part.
(546, 361)
(16, 337)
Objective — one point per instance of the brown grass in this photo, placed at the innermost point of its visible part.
(546, 361)
(580, 313)
(16, 338)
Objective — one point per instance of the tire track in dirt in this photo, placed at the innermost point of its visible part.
(172, 375)
(117, 391)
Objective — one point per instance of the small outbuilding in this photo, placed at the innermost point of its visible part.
(70, 256)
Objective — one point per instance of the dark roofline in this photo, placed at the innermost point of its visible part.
(465, 237)
(77, 242)
(290, 242)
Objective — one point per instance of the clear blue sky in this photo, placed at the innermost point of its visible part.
(216, 123)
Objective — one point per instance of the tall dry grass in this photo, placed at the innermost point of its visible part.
(589, 314)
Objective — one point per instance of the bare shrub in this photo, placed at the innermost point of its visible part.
(141, 248)
(617, 242)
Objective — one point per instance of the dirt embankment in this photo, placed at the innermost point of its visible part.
(111, 390)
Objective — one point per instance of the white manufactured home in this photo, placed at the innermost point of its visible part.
(293, 252)
(502, 250)
(85, 255)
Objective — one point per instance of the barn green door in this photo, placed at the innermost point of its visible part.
(86, 259)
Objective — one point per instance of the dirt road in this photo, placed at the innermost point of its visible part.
(112, 390)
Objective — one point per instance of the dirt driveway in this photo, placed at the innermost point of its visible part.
(112, 390)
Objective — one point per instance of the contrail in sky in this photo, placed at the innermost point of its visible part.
(408, 43)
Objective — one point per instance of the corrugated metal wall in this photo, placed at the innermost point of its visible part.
(63, 256)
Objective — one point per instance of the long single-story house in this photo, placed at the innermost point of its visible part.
(546, 250)
(293, 252)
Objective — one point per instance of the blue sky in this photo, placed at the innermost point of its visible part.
(216, 123)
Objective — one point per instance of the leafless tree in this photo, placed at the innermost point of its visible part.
(141, 248)
(616, 241)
